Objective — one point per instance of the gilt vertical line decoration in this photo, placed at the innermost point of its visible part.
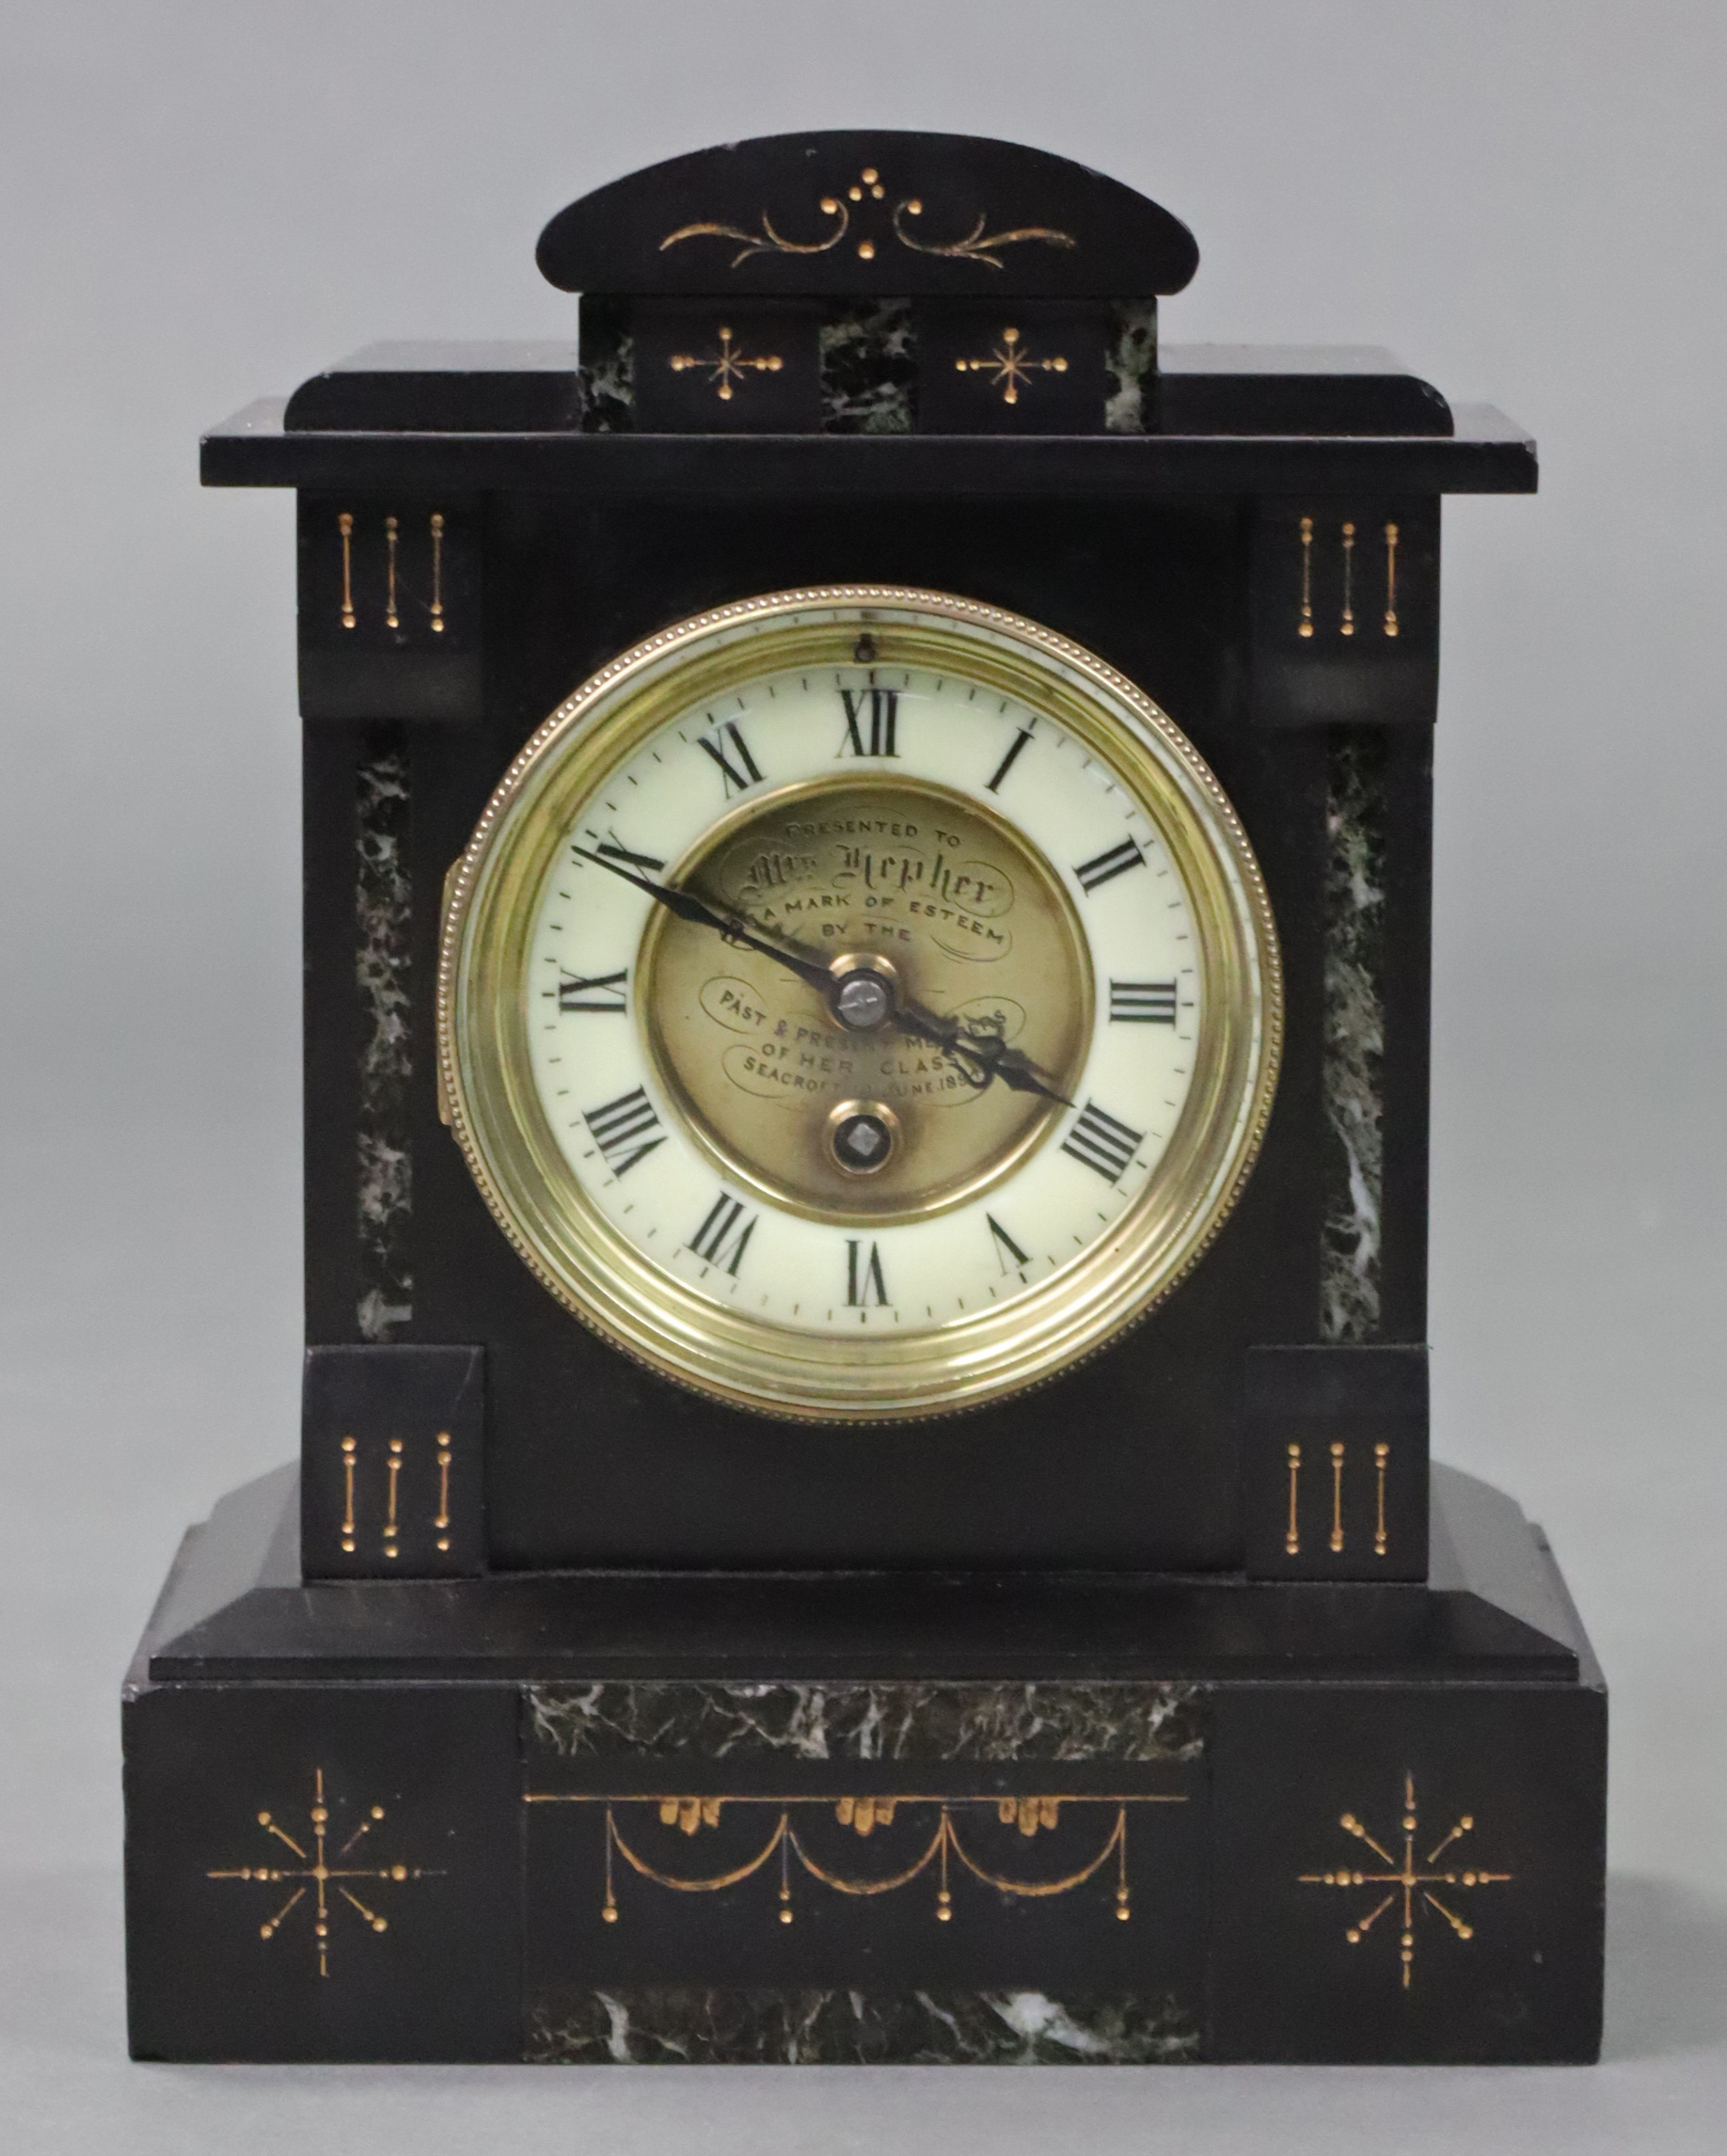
(437, 573)
(1337, 1498)
(349, 1447)
(391, 1530)
(1390, 623)
(344, 524)
(392, 619)
(442, 1521)
(608, 1907)
(1291, 1540)
(1305, 626)
(1381, 1454)
(1347, 625)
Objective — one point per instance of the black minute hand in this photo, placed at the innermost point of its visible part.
(687, 906)
(987, 1054)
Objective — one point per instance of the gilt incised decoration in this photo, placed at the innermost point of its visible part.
(847, 218)
(1410, 1881)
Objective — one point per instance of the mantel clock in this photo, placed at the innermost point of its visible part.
(864, 1488)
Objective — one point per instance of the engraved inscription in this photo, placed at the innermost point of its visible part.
(972, 928)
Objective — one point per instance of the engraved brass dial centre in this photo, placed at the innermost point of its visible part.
(918, 901)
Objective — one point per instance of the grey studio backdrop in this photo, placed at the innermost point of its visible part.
(204, 201)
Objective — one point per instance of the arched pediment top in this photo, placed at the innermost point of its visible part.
(868, 211)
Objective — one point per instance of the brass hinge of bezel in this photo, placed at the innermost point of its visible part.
(446, 1111)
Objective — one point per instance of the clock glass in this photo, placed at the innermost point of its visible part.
(858, 1004)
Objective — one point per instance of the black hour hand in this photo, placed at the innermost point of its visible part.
(979, 1058)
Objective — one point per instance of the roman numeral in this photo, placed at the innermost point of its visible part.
(1006, 1249)
(1142, 1003)
(609, 849)
(605, 992)
(884, 708)
(730, 739)
(720, 1239)
(1117, 862)
(620, 1130)
(862, 1276)
(1006, 763)
(1100, 1142)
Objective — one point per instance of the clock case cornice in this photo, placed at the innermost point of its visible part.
(1230, 445)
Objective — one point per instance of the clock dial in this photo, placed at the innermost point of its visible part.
(859, 1004)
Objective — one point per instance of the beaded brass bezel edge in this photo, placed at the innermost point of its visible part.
(935, 1384)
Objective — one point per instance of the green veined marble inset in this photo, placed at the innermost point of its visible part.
(383, 924)
(868, 368)
(608, 367)
(1355, 1032)
(1131, 361)
(1122, 1721)
(691, 2025)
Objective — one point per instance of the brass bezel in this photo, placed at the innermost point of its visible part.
(664, 1323)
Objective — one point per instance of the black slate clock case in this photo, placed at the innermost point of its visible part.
(928, 361)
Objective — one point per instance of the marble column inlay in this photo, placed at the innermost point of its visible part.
(382, 901)
(606, 372)
(1131, 360)
(1355, 1035)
